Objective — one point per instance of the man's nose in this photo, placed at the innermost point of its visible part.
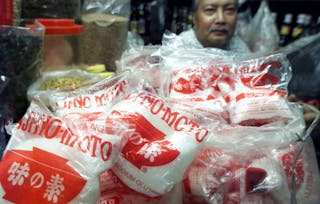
(220, 16)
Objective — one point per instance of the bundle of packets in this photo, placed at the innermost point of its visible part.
(214, 131)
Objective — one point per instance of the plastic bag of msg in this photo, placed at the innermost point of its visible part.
(104, 38)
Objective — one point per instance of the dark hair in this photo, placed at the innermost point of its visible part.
(195, 4)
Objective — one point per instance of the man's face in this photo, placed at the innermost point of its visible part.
(215, 22)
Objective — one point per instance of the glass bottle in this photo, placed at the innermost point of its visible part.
(141, 20)
(174, 21)
(285, 29)
(134, 20)
(299, 27)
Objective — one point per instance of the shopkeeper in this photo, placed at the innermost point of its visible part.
(214, 26)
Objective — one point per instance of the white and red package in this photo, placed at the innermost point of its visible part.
(144, 63)
(307, 180)
(195, 83)
(275, 134)
(56, 160)
(260, 95)
(225, 178)
(113, 190)
(249, 91)
(163, 143)
(90, 101)
(34, 171)
(203, 112)
(188, 73)
(191, 83)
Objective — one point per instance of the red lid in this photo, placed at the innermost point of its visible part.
(60, 26)
(6, 12)
(5, 21)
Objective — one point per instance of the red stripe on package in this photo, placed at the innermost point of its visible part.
(198, 87)
(146, 137)
(258, 107)
(162, 143)
(223, 178)
(260, 94)
(211, 173)
(307, 174)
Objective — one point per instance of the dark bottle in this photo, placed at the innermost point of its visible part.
(179, 21)
(174, 20)
(184, 19)
(307, 26)
(313, 27)
(141, 20)
(285, 29)
(190, 20)
(317, 29)
(134, 20)
(299, 27)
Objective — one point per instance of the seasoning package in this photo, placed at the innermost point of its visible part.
(50, 9)
(20, 62)
(105, 26)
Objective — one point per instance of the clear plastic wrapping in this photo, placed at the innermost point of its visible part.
(61, 152)
(245, 90)
(188, 141)
(20, 63)
(261, 33)
(105, 26)
(143, 63)
(252, 175)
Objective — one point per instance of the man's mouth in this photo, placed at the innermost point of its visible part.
(218, 31)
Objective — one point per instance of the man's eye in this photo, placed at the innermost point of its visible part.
(209, 10)
(230, 10)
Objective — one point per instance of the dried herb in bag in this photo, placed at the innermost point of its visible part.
(104, 38)
(105, 26)
(20, 62)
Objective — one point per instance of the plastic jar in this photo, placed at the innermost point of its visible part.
(61, 44)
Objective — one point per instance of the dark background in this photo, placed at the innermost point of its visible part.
(280, 7)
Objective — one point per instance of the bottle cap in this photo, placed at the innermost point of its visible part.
(307, 19)
(301, 18)
(288, 18)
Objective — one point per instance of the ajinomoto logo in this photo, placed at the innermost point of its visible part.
(38, 176)
(146, 145)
